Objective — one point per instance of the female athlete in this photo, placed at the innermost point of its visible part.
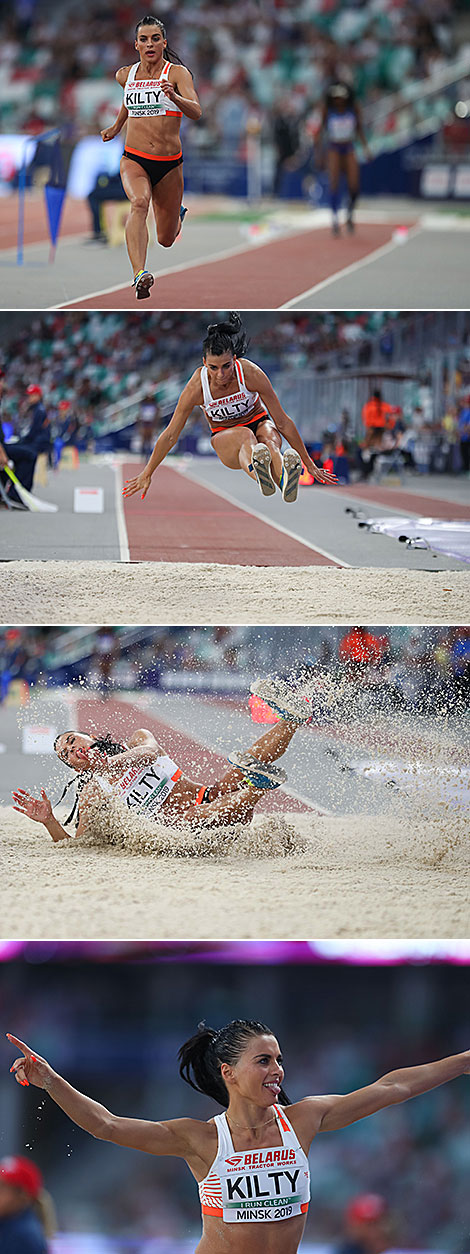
(251, 1161)
(245, 417)
(149, 782)
(157, 92)
(342, 124)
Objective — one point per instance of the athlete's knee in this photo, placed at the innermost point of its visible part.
(165, 237)
(140, 204)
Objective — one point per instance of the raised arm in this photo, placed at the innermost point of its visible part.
(142, 748)
(173, 1137)
(190, 396)
(329, 1114)
(256, 378)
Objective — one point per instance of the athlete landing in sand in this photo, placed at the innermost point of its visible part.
(149, 782)
(245, 417)
(250, 1162)
(156, 95)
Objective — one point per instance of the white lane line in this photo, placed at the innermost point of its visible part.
(124, 555)
(286, 531)
(182, 266)
(141, 699)
(352, 269)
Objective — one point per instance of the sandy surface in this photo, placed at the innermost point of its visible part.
(290, 877)
(110, 592)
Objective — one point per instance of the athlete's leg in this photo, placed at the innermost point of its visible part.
(268, 434)
(137, 187)
(226, 810)
(334, 170)
(166, 199)
(266, 749)
(352, 178)
(234, 448)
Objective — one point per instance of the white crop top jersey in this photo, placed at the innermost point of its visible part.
(341, 127)
(263, 1184)
(239, 405)
(144, 98)
(144, 788)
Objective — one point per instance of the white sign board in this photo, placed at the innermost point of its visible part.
(88, 501)
(38, 739)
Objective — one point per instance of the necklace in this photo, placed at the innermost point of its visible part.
(252, 1127)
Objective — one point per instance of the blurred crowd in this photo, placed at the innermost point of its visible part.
(76, 368)
(416, 667)
(57, 61)
(114, 1031)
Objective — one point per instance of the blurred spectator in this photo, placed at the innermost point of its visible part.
(360, 648)
(26, 1212)
(377, 415)
(367, 1228)
(464, 434)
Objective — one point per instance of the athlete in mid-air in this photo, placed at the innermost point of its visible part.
(246, 419)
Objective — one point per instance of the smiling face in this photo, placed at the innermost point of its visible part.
(73, 749)
(258, 1074)
(221, 369)
(150, 44)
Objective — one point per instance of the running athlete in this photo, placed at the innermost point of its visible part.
(245, 417)
(250, 1162)
(157, 92)
(149, 782)
(342, 124)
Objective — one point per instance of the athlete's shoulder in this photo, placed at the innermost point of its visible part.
(252, 372)
(193, 387)
(122, 75)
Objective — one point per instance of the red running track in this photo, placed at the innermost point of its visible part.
(404, 502)
(197, 762)
(181, 521)
(261, 277)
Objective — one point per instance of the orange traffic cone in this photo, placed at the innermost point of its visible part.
(260, 712)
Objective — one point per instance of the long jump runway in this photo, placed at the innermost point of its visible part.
(337, 875)
(205, 545)
(293, 263)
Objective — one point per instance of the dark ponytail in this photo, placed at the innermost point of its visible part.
(200, 1057)
(226, 337)
(155, 21)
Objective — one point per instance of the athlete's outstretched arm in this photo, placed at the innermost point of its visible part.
(338, 1111)
(172, 1137)
(40, 811)
(190, 396)
(258, 380)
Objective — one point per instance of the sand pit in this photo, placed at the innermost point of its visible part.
(288, 877)
(109, 592)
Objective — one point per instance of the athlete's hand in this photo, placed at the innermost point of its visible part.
(108, 133)
(140, 484)
(39, 810)
(30, 1069)
(168, 89)
(323, 476)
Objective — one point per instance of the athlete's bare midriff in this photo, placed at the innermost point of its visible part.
(155, 136)
(251, 1236)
